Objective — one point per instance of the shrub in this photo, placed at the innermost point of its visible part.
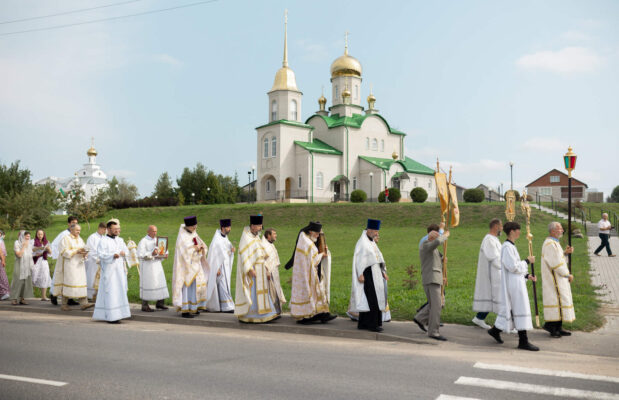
(473, 195)
(419, 195)
(358, 196)
(614, 197)
(394, 195)
(381, 197)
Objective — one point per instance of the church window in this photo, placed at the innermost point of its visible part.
(430, 184)
(266, 148)
(374, 144)
(354, 183)
(268, 186)
(273, 146)
(84, 172)
(367, 143)
(356, 92)
(382, 145)
(293, 110)
(337, 92)
(300, 181)
(319, 180)
(415, 182)
(274, 111)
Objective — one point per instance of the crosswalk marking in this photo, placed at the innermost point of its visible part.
(449, 397)
(32, 380)
(547, 372)
(537, 389)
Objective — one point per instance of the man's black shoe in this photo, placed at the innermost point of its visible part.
(114, 322)
(186, 315)
(439, 337)
(327, 317)
(528, 346)
(73, 302)
(496, 334)
(53, 299)
(420, 325)
(565, 333)
(305, 321)
(377, 329)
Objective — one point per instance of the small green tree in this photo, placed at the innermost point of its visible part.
(473, 195)
(614, 196)
(358, 196)
(419, 195)
(163, 187)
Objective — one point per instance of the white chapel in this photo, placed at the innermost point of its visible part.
(336, 150)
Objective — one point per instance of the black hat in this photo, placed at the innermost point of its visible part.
(191, 221)
(224, 223)
(315, 226)
(255, 219)
(373, 224)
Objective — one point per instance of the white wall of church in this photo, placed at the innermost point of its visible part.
(284, 107)
(326, 167)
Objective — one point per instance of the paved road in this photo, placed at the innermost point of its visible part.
(139, 360)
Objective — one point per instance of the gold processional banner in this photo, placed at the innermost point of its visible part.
(455, 212)
(441, 190)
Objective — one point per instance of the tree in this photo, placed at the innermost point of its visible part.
(614, 197)
(358, 196)
(419, 195)
(473, 195)
(211, 193)
(121, 191)
(163, 187)
(13, 179)
(85, 210)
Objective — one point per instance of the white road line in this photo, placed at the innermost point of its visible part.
(448, 397)
(32, 380)
(537, 389)
(547, 372)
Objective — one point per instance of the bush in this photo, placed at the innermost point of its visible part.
(473, 195)
(358, 196)
(394, 195)
(614, 197)
(381, 197)
(419, 195)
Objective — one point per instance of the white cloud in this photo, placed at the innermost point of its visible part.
(567, 60)
(167, 59)
(543, 144)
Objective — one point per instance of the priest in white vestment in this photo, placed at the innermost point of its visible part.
(190, 271)
(93, 266)
(488, 282)
(153, 285)
(515, 309)
(556, 279)
(309, 298)
(253, 303)
(70, 270)
(368, 293)
(55, 254)
(112, 303)
(220, 259)
(272, 263)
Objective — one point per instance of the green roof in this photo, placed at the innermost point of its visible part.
(286, 122)
(408, 164)
(318, 146)
(355, 121)
(398, 174)
(339, 178)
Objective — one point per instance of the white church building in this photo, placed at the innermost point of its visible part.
(336, 150)
(90, 178)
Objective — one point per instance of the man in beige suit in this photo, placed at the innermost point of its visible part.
(432, 279)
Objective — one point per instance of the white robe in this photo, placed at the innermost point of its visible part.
(515, 309)
(153, 285)
(272, 263)
(70, 272)
(55, 253)
(488, 282)
(367, 254)
(112, 303)
(220, 259)
(189, 268)
(92, 263)
(556, 289)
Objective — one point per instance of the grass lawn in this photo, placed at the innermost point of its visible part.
(403, 226)
(596, 210)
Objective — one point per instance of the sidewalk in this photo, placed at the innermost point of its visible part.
(604, 344)
(605, 274)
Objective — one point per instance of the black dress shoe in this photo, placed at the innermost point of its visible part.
(496, 334)
(228, 312)
(420, 325)
(161, 306)
(555, 334)
(528, 346)
(114, 322)
(327, 317)
(147, 309)
(53, 299)
(377, 329)
(186, 315)
(73, 302)
(305, 321)
(196, 313)
(565, 333)
(439, 337)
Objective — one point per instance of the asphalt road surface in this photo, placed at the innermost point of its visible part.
(79, 359)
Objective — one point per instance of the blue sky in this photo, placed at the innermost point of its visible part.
(476, 83)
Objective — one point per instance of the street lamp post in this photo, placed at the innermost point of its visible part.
(371, 184)
(249, 186)
(253, 178)
(193, 198)
(208, 191)
(511, 173)
(570, 164)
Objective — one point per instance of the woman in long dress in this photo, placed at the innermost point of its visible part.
(40, 273)
(4, 280)
(21, 286)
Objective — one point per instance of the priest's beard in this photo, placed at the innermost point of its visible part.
(314, 239)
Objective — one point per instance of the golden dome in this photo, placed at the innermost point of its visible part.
(394, 155)
(322, 100)
(346, 66)
(284, 80)
(371, 98)
(91, 152)
(346, 93)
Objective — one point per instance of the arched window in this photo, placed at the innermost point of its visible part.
(319, 180)
(354, 183)
(356, 92)
(273, 146)
(430, 184)
(274, 111)
(415, 183)
(337, 92)
(367, 143)
(265, 152)
(293, 109)
(382, 145)
(300, 181)
(374, 144)
(268, 185)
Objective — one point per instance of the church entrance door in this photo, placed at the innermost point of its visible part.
(288, 184)
(336, 190)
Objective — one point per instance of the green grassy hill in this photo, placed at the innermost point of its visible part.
(403, 225)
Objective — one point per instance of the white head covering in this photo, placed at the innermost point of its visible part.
(26, 262)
